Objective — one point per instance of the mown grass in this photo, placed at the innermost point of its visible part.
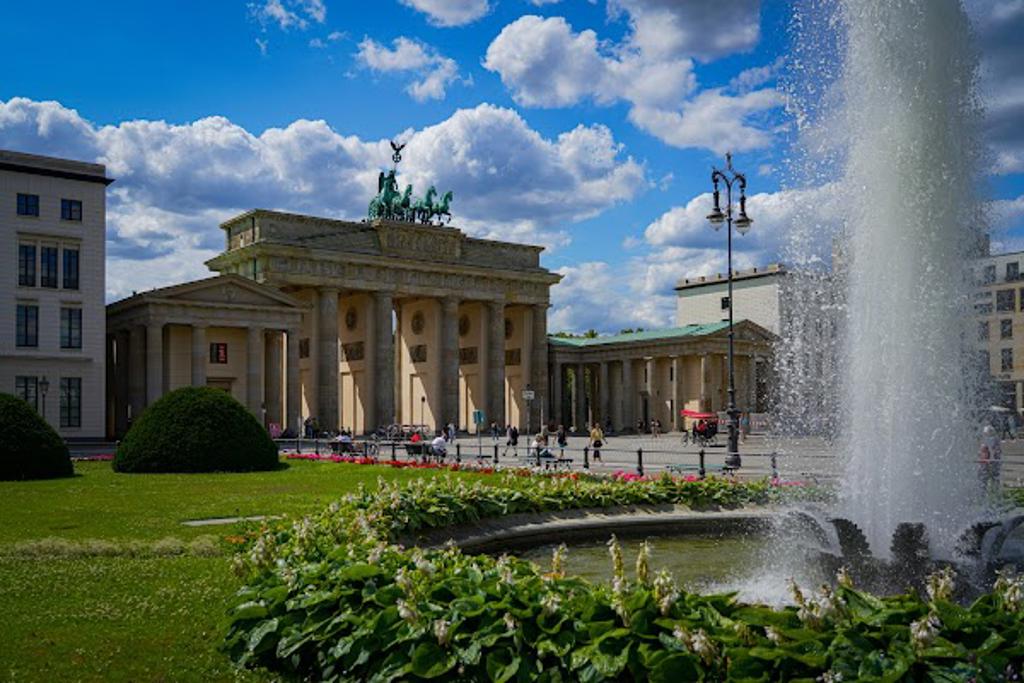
(100, 581)
(100, 503)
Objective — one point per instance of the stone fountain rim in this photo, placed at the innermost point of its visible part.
(528, 530)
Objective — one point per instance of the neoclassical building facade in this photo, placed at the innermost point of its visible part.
(362, 324)
(656, 374)
(370, 323)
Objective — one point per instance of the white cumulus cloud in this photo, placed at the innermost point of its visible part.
(450, 12)
(287, 14)
(434, 72)
(176, 182)
(544, 62)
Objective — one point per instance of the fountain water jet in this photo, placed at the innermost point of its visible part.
(897, 124)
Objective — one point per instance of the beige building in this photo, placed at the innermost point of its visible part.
(226, 332)
(656, 374)
(999, 306)
(52, 240)
(382, 322)
(759, 295)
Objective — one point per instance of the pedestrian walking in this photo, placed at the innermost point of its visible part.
(512, 440)
(561, 437)
(596, 441)
(495, 432)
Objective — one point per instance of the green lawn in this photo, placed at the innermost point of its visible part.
(107, 598)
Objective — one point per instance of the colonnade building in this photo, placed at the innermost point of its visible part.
(656, 374)
(357, 324)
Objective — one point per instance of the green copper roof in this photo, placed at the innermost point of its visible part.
(646, 335)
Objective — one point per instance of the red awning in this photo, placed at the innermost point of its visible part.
(698, 416)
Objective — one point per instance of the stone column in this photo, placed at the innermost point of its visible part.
(383, 375)
(327, 359)
(293, 397)
(154, 362)
(748, 385)
(628, 394)
(677, 393)
(557, 386)
(449, 361)
(400, 416)
(539, 365)
(603, 392)
(137, 370)
(272, 377)
(254, 371)
(705, 380)
(121, 381)
(200, 353)
(653, 400)
(496, 361)
(579, 390)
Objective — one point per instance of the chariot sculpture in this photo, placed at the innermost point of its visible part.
(392, 204)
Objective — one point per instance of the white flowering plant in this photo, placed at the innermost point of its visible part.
(335, 597)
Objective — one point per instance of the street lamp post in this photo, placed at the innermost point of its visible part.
(730, 177)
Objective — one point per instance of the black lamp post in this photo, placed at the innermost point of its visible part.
(44, 386)
(730, 177)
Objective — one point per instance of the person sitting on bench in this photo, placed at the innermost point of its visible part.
(439, 447)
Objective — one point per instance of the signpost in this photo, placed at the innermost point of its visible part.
(478, 420)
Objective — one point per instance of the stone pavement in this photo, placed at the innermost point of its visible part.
(805, 459)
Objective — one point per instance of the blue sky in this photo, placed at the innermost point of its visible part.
(589, 127)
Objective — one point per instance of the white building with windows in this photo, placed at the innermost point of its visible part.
(999, 306)
(758, 294)
(52, 315)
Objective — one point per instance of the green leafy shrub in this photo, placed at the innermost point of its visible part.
(29, 447)
(332, 597)
(196, 429)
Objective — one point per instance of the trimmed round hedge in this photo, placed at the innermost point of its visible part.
(29, 447)
(196, 429)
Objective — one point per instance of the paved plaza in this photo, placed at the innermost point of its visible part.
(804, 459)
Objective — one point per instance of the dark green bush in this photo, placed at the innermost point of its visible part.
(196, 429)
(29, 447)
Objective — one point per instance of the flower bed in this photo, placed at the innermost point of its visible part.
(331, 597)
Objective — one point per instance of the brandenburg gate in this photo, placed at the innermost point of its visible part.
(402, 321)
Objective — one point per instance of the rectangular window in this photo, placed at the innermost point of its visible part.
(48, 267)
(27, 265)
(219, 353)
(1007, 359)
(27, 326)
(725, 303)
(70, 210)
(989, 276)
(1006, 300)
(1006, 329)
(304, 348)
(27, 389)
(982, 309)
(71, 328)
(70, 269)
(28, 204)
(70, 401)
(1012, 271)
(983, 331)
